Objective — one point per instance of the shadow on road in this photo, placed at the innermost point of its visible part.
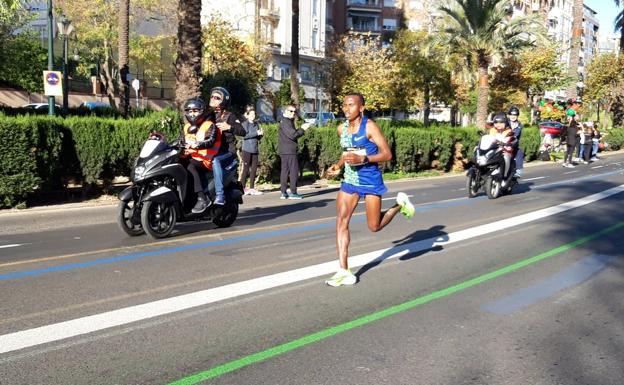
(412, 246)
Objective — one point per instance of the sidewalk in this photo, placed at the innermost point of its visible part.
(269, 198)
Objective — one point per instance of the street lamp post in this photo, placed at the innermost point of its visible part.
(65, 28)
(50, 53)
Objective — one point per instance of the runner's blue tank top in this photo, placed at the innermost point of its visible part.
(367, 177)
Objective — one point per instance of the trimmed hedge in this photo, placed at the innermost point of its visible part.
(43, 154)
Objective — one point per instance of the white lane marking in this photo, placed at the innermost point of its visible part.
(79, 326)
(536, 178)
(595, 167)
(11, 245)
(569, 172)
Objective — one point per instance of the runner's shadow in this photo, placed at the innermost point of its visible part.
(412, 246)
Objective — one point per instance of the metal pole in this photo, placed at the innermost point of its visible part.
(65, 77)
(50, 53)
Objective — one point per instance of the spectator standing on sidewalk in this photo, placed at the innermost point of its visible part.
(571, 136)
(364, 145)
(287, 147)
(250, 150)
(595, 142)
(516, 127)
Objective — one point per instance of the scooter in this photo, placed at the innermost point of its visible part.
(161, 192)
(487, 169)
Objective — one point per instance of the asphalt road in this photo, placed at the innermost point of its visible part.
(525, 289)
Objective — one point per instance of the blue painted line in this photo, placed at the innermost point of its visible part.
(136, 256)
(570, 277)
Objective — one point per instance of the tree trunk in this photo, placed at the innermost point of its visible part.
(426, 103)
(188, 62)
(621, 39)
(294, 54)
(575, 49)
(483, 90)
(124, 50)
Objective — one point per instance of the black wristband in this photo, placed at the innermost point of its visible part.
(366, 159)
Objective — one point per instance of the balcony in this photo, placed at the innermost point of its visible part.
(369, 5)
(270, 13)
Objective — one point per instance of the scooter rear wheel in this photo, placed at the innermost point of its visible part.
(158, 219)
(227, 215)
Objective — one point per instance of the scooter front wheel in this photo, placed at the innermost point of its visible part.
(492, 187)
(158, 219)
(472, 185)
(128, 220)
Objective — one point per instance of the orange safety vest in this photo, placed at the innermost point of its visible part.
(203, 155)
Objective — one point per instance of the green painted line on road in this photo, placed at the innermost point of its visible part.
(323, 334)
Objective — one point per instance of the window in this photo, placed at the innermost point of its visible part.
(389, 24)
(285, 71)
(305, 72)
(315, 40)
(362, 21)
(389, 3)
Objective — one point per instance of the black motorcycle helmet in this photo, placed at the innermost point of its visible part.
(225, 94)
(194, 104)
(514, 111)
(500, 118)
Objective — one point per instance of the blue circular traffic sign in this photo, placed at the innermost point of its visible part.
(52, 79)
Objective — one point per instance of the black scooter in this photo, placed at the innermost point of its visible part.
(159, 195)
(487, 168)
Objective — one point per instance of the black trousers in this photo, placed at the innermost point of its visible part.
(195, 167)
(570, 147)
(290, 168)
(250, 166)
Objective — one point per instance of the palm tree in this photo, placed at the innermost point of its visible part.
(481, 30)
(619, 25)
(124, 49)
(294, 52)
(575, 47)
(188, 61)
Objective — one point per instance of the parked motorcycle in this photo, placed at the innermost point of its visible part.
(487, 169)
(161, 193)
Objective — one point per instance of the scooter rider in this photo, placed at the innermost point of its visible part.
(503, 133)
(230, 126)
(516, 127)
(203, 141)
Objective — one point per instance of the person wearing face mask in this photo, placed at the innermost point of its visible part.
(287, 146)
(250, 150)
(229, 125)
(516, 128)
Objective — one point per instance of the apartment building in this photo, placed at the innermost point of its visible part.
(269, 22)
(371, 17)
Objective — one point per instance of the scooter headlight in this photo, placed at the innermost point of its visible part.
(481, 160)
(138, 172)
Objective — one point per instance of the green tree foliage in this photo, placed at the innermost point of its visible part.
(481, 30)
(97, 35)
(232, 63)
(605, 81)
(423, 75)
(362, 65)
(23, 61)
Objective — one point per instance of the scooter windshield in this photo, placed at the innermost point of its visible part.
(150, 146)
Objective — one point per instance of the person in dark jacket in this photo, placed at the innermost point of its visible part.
(250, 150)
(229, 125)
(571, 136)
(287, 150)
(516, 128)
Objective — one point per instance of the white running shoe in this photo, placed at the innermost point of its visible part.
(407, 208)
(342, 277)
